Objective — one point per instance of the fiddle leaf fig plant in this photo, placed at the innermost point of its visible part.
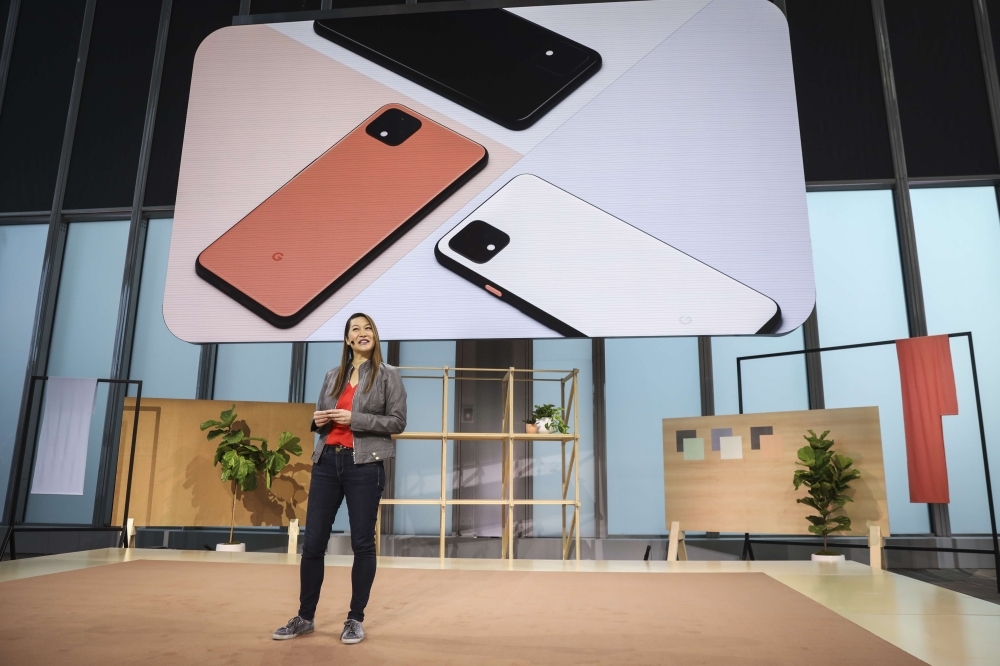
(827, 476)
(242, 461)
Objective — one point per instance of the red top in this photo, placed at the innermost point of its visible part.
(341, 435)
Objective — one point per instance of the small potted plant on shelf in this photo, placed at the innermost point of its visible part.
(244, 462)
(546, 419)
(828, 476)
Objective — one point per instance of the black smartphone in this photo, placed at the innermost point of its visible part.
(493, 62)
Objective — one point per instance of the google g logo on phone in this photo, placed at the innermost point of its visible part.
(277, 256)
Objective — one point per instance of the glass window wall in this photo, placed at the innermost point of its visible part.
(859, 294)
(167, 366)
(769, 385)
(418, 463)
(253, 372)
(646, 381)
(22, 248)
(83, 340)
(547, 462)
(958, 240)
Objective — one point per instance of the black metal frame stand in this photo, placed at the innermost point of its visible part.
(19, 462)
(982, 439)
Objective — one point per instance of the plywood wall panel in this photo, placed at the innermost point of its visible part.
(755, 494)
(174, 482)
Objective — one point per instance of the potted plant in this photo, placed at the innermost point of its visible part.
(828, 476)
(243, 462)
(546, 419)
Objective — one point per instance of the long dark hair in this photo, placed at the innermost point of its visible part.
(347, 357)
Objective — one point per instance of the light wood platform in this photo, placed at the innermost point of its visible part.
(934, 624)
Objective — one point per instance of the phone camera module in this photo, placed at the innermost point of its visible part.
(479, 241)
(393, 127)
(561, 59)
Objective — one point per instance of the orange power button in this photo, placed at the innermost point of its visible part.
(493, 290)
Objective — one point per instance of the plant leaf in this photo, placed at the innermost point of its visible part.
(249, 483)
(289, 442)
(808, 501)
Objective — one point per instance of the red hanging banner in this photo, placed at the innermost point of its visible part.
(927, 380)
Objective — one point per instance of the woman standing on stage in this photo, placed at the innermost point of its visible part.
(362, 403)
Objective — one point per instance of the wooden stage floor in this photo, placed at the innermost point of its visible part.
(512, 616)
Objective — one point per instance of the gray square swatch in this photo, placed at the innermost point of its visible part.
(756, 432)
(717, 433)
(682, 435)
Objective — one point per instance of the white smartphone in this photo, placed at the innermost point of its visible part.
(584, 273)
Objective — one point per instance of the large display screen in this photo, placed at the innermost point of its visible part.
(598, 170)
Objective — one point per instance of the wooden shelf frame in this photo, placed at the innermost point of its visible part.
(570, 476)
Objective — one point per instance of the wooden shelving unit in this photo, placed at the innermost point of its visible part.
(568, 380)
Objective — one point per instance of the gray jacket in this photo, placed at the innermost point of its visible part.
(375, 415)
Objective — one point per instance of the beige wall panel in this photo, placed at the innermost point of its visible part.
(755, 494)
(174, 482)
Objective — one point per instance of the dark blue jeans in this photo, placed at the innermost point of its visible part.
(335, 477)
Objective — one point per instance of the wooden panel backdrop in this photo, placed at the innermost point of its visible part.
(755, 493)
(174, 482)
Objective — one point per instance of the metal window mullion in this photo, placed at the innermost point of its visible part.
(8, 45)
(297, 376)
(48, 288)
(989, 68)
(814, 364)
(598, 370)
(205, 389)
(706, 379)
(992, 78)
(906, 235)
(810, 327)
(128, 304)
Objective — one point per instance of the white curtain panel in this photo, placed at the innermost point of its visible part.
(61, 462)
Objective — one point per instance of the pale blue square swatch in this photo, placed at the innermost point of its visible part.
(694, 448)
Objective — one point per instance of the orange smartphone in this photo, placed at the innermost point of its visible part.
(309, 238)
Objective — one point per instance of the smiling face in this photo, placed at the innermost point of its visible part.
(361, 336)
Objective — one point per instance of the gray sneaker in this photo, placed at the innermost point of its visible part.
(353, 633)
(295, 627)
